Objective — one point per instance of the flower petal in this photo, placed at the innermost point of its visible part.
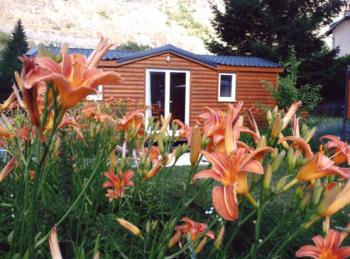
(225, 202)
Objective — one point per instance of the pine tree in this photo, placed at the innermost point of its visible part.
(16, 46)
(269, 28)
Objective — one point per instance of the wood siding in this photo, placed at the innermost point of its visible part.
(203, 82)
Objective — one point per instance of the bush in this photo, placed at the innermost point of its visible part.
(287, 90)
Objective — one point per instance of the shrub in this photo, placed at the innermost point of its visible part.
(287, 91)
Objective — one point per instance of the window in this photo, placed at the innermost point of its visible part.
(227, 88)
(98, 96)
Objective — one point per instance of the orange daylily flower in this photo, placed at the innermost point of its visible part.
(71, 122)
(7, 169)
(116, 184)
(192, 228)
(334, 200)
(185, 131)
(325, 248)
(318, 166)
(341, 149)
(132, 120)
(215, 121)
(231, 171)
(33, 88)
(300, 144)
(77, 76)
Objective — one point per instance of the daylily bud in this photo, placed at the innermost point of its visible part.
(54, 246)
(291, 159)
(325, 224)
(160, 142)
(148, 226)
(165, 122)
(283, 143)
(278, 161)
(275, 111)
(269, 117)
(174, 240)
(201, 245)
(219, 238)
(261, 143)
(281, 183)
(7, 169)
(328, 199)
(276, 126)
(305, 201)
(113, 159)
(267, 177)
(153, 172)
(129, 226)
(316, 195)
(179, 152)
(196, 145)
(310, 134)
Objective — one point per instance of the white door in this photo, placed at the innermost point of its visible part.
(168, 91)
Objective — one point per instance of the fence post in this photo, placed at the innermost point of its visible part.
(347, 102)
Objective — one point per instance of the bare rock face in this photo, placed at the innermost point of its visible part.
(184, 23)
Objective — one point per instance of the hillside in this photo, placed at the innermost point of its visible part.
(183, 23)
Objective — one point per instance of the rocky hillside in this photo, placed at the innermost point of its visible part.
(183, 23)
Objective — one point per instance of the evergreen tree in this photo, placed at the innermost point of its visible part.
(269, 28)
(16, 46)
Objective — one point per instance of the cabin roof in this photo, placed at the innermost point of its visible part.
(337, 23)
(122, 56)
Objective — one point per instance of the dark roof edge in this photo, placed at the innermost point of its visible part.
(163, 49)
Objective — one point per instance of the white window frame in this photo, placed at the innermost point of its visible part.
(232, 98)
(98, 96)
(167, 92)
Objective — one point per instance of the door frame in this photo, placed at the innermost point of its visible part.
(167, 92)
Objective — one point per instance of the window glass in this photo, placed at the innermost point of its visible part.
(226, 86)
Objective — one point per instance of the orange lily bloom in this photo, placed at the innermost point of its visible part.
(231, 171)
(341, 149)
(334, 200)
(116, 184)
(70, 121)
(318, 166)
(325, 248)
(185, 130)
(192, 228)
(132, 120)
(77, 76)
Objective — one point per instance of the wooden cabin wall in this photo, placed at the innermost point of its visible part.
(203, 82)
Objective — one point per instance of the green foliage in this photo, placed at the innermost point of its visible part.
(17, 45)
(132, 45)
(287, 90)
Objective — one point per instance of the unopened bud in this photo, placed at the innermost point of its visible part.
(269, 117)
(310, 134)
(220, 237)
(305, 201)
(317, 192)
(276, 126)
(281, 183)
(291, 159)
(129, 226)
(201, 245)
(267, 177)
(278, 161)
(196, 145)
